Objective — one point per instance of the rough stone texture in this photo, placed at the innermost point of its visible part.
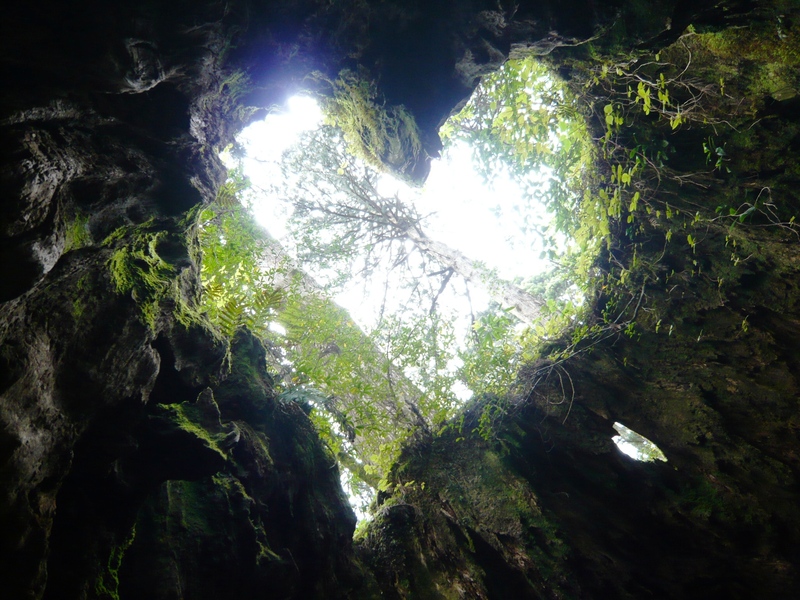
(56, 383)
(138, 459)
(255, 510)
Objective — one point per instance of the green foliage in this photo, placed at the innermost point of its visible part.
(422, 346)
(492, 359)
(364, 407)
(330, 352)
(714, 83)
(228, 193)
(385, 137)
(644, 100)
(661, 87)
(235, 85)
(238, 290)
(523, 119)
(355, 394)
(750, 64)
(189, 418)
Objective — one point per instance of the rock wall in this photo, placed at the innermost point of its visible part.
(142, 456)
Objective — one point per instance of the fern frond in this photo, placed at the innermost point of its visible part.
(268, 299)
(214, 291)
(230, 317)
(226, 195)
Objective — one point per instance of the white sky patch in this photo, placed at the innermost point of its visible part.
(463, 211)
(482, 221)
(269, 138)
(636, 445)
(477, 219)
(277, 328)
(266, 141)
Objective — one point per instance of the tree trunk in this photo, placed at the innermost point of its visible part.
(525, 306)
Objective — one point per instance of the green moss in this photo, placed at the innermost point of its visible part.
(754, 62)
(385, 137)
(77, 234)
(106, 586)
(189, 418)
(194, 504)
(137, 267)
(225, 103)
(546, 547)
(79, 302)
(488, 509)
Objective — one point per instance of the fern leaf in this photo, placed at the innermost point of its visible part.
(230, 317)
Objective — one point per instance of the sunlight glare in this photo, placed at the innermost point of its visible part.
(268, 139)
(276, 327)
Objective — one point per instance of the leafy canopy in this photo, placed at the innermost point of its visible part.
(524, 121)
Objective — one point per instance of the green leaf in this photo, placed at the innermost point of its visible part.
(634, 202)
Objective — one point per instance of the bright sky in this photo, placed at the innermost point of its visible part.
(464, 212)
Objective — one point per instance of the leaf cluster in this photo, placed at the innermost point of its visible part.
(239, 289)
(386, 137)
(524, 121)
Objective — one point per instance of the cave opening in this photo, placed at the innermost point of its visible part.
(423, 295)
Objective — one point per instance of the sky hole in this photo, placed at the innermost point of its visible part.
(447, 301)
(636, 446)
